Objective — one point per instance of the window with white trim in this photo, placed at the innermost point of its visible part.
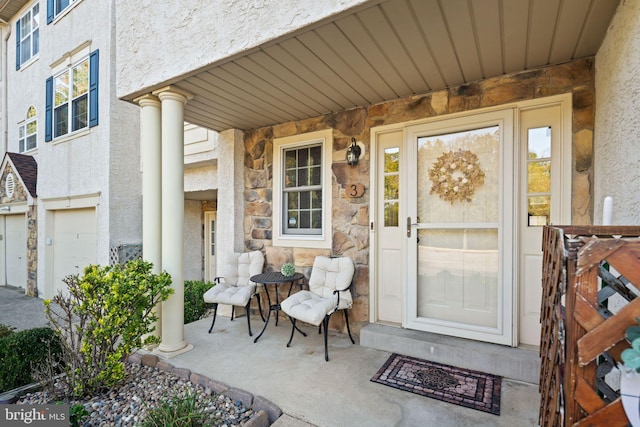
(72, 99)
(56, 7)
(302, 190)
(28, 35)
(28, 132)
(70, 108)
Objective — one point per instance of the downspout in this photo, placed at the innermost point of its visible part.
(5, 87)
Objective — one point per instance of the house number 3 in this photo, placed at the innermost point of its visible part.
(354, 189)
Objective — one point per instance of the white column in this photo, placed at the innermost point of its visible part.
(173, 101)
(151, 151)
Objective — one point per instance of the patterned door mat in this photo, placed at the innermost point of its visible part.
(471, 389)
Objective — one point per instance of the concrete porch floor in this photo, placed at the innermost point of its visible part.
(310, 391)
(313, 392)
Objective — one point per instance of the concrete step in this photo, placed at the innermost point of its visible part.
(513, 363)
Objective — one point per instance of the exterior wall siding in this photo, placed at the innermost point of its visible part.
(617, 123)
(351, 216)
(193, 240)
(226, 29)
(104, 159)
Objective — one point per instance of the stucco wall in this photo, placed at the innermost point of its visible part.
(617, 124)
(161, 40)
(200, 179)
(193, 267)
(125, 174)
(101, 160)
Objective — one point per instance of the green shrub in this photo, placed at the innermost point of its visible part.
(22, 352)
(6, 330)
(77, 412)
(194, 306)
(102, 318)
(179, 411)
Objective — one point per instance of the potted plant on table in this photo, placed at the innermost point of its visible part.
(288, 269)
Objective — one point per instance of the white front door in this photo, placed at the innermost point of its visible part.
(210, 245)
(459, 234)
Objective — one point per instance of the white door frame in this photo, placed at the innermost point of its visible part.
(208, 216)
(564, 100)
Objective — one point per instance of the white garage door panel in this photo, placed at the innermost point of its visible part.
(16, 250)
(74, 243)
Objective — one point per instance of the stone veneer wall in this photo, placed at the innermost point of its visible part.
(19, 192)
(351, 216)
(32, 251)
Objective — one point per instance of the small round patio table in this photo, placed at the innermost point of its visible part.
(274, 278)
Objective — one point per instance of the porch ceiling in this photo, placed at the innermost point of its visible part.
(8, 8)
(391, 49)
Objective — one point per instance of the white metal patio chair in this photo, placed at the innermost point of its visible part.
(234, 286)
(329, 291)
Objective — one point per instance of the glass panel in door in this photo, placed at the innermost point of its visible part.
(458, 205)
(391, 186)
(538, 175)
(210, 246)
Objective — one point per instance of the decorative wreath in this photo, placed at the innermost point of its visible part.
(456, 175)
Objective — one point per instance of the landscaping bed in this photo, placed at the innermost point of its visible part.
(144, 388)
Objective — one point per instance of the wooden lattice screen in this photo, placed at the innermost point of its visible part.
(591, 277)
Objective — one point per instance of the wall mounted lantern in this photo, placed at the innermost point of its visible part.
(353, 153)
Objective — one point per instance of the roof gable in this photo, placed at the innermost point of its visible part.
(26, 169)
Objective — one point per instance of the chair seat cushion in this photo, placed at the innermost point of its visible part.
(225, 293)
(308, 307)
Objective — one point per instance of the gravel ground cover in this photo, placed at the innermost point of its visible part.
(145, 387)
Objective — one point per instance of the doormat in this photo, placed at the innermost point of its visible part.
(471, 389)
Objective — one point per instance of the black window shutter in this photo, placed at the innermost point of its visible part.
(50, 11)
(18, 45)
(93, 87)
(48, 111)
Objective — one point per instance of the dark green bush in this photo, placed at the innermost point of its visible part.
(6, 330)
(194, 306)
(22, 352)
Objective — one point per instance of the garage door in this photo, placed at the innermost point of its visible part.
(74, 243)
(16, 250)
